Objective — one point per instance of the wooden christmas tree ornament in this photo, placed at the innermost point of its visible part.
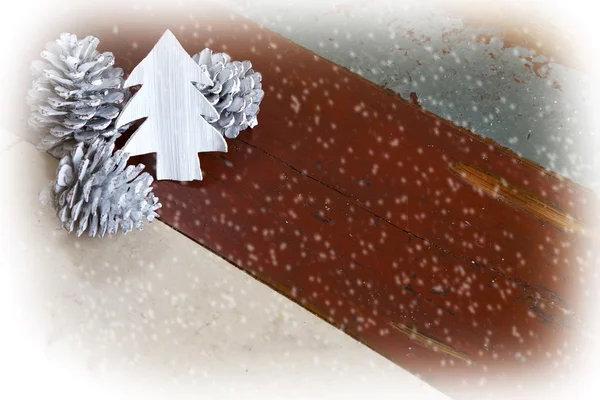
(175, 128)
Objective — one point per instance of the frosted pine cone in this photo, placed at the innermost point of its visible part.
(95, 192)
(236, 92)
(76, 94)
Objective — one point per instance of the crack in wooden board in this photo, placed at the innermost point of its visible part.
(343, 250)
(430, 343)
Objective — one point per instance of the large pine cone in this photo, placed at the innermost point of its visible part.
(95, 191)
(236, 92)
(76, 94)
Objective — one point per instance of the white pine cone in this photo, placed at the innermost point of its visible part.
(76, 94)
(96, 192)
(236, 92)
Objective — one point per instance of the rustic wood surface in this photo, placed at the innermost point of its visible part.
(440, 250)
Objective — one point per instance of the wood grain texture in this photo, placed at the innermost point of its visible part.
(497, 188)
(345, 198)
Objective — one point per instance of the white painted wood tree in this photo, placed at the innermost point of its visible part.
(175, 128)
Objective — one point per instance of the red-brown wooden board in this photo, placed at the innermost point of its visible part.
(445, 253)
